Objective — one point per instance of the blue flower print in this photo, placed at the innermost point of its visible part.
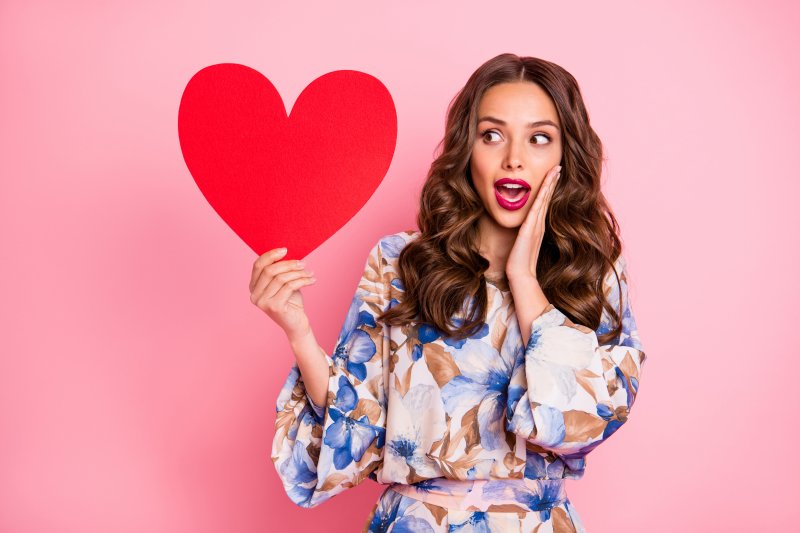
(477, 521)
(391, 505)
(397, 285)
(548, 495)
(536, 334)
(543, 502)
(482, 332)
(408, 442)
(429, 333)
(425, 334)
(412, 524)
(355, 347)
(433, 484)
(416, 352)
(349, 438)
(297, 472)
(537, 467)
(628, 336)
(484, 379)
(404, 447)
(512, 349)
(392, 245)
(386, 512)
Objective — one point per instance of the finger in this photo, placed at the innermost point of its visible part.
(537, 203)
(530, 218)
(262, 277)
(529, 224)
(552, 187)
(544, 190)
(264, 260)
(271, 284)
(553, 175)
(546, 206)
(538, 224)
(278, 281)
(288, 288)
(273, 270)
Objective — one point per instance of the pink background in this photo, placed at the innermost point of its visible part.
(138, 382)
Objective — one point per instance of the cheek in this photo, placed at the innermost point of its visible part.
(479, 182)
(479, 168)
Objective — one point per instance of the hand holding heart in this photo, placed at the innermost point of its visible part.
(275, 289)
(524, 255)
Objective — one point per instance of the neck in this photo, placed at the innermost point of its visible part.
(495, 243)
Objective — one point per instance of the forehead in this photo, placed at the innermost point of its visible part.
(522, 101)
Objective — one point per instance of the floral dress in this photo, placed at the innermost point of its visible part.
(476, 434)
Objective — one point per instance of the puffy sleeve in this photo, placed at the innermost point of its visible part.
(575, 393)
(322, 450)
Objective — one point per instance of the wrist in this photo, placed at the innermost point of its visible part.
(524, 279)
(301, 339)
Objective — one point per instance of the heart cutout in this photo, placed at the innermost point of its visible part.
(286, 180)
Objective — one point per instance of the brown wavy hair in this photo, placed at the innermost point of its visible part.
(442, 267)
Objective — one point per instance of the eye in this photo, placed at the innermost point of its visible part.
(487, 132)
(541, 135)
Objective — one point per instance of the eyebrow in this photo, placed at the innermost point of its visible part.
(530, 125)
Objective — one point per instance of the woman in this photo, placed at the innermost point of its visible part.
(484, 355)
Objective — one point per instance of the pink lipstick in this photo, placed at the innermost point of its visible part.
(508, 203)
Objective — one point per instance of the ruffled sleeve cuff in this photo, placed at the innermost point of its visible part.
(317, 410)
(572, 346)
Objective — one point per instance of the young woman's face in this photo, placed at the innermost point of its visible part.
(518, 138)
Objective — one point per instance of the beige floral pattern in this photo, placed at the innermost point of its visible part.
(437, 418)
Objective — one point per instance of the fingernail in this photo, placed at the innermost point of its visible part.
(282, 251)
(558, 168)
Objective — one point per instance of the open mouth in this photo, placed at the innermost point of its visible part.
(511, 192)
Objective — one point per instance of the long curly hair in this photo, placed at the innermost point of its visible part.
(442, 268)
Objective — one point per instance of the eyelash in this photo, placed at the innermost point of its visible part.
(484, 132)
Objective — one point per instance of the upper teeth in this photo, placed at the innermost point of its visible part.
(512, 185)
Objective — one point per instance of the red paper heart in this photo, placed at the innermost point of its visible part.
(286, 181)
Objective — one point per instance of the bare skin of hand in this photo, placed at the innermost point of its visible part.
(524, 254)
(529, 299)
(275, 289)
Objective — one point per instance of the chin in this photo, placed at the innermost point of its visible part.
(509, 220)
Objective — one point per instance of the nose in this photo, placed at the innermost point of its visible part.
(513, 159)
